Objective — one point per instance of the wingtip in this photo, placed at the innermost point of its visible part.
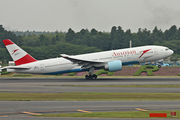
(63, 55)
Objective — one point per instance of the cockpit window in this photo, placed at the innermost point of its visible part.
(167, 49)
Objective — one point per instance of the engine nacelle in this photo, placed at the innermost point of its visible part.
(114, 66)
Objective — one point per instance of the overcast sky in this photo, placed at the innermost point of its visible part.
(52, 15)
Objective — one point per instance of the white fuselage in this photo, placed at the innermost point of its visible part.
(127, 56)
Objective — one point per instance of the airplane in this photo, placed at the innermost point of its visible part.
(112, 60)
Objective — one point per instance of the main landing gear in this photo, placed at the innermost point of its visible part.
(90, 76)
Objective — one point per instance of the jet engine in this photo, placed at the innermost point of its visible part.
(114, 66)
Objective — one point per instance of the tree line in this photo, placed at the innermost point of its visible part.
(118, 38)
(42, 45)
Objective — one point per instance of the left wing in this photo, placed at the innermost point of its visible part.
(84, 63)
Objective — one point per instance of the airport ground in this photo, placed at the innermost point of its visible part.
(18, 110)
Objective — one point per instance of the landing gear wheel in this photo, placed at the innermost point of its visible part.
(87, 77)
(159, 66)
(91, 77)
(94, 76)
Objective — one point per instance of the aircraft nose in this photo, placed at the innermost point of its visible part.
(171, 52)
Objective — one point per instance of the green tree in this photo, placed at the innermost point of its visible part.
(94, 32)
(127, 38)
(156, 36)
(171, 34)
(112, 36)
(53, 41)
(175, 57)
(70, 35)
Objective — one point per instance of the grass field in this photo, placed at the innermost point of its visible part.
(87, 96)
(120, 114)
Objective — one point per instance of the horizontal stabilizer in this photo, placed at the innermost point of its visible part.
(16, 67)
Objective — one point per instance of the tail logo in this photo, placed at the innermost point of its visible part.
(14, 51)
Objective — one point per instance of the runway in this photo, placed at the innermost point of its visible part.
(58, 85)
(103, 81)
(20, 110)
(29, 108)
(75, 118)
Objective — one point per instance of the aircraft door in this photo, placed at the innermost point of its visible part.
(42, 67)
(155, 51)
(129, 56)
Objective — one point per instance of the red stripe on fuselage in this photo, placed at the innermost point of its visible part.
(7, 42)
(145, 51)
(24, 60)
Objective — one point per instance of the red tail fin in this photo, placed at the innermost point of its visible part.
(18, 55)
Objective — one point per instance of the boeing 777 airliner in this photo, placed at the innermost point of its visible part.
(109, 60)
